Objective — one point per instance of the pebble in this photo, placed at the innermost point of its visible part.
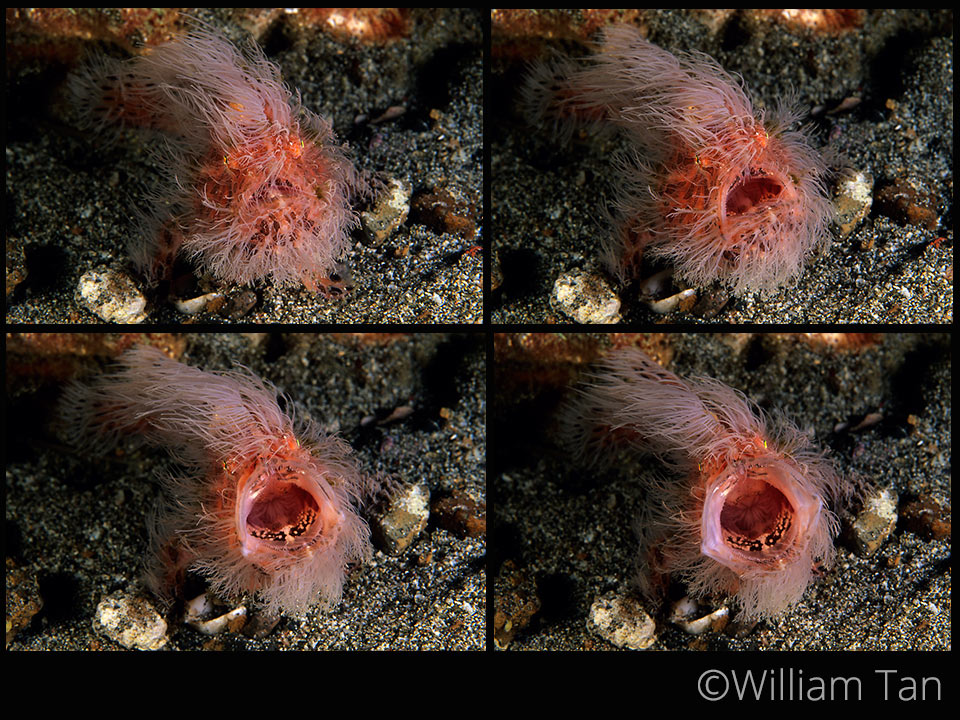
(194, 305)
(876, 521)
(516, 603)
(405, 518)
(927, 518)
(852, 200)
(585, 297)
(461, 515)
(683, 300)
(445, 210)
(621, 620)
(687, 615)
(203, 615)
(131, 621)
(23, 599)
(112, 295)
(16, 264)
(389, 212)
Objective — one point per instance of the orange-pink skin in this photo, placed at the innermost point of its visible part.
(259, 188)
(709, 185)
(268, 507)
(747, 511)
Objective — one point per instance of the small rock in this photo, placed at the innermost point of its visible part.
(391, 113)
(496, 273)
(16, 264)
(869, 420)
(260, 624)
(237, 305)
(586, 298)
(711, 302)
(621, 620)
(516, 602)
(131, 621)
(687, 614)
(23, 599)
(875, 522)
(112, 295)
(852, 199)
(904, 203)
(405, 517)
(203, 614)
(925, 517)
(194, 305)
(389, 212)
(442, 212)
(461, 515)
(683, 301)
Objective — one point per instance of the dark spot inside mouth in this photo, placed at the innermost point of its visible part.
(755, 515)
(751, 190)
(282, 511)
